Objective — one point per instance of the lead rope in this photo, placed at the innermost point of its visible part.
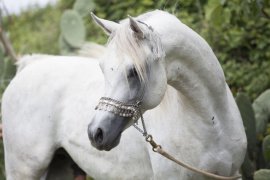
(158, 148)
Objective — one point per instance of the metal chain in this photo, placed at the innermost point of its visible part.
(143, 124)
(136, 127)
(144, 132)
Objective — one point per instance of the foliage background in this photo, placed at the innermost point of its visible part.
(237, 30)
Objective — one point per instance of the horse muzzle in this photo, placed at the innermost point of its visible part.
(109, 122)
(105, 134)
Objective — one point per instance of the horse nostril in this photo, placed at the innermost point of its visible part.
(99, 136)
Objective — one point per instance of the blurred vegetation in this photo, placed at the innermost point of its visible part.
(34, 31)
(237, 30)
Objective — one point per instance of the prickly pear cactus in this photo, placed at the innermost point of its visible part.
(261, 107)
(262, 174)
(258, 135)
(266, 149)
(84, 7)
(261, 162)
(64, 47)
(248, 117)
(247, 168)
(72, 28)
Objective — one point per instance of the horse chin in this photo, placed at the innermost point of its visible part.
(114, 143)
(108, 146)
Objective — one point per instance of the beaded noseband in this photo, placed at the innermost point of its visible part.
(119, 108)
(124, 110)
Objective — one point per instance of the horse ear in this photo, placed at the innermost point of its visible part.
(107, 26)
(135, 27)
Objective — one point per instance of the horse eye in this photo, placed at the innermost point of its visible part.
(133, 73)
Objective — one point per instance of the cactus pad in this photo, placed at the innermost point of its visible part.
(84, 7)
(247, 168)
(266, 148)
(64, 47)
(248, 118)
(262, 174)
(261, 107)
(72, 28)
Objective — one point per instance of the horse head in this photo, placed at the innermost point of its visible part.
(135, 79)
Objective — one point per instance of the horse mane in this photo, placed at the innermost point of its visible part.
(91, 50)
(128, 44)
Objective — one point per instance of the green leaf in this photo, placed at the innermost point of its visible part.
(210, 7)
(222, 1)
(260, 3)
(213, 12)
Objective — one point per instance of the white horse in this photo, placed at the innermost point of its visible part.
(153, 58)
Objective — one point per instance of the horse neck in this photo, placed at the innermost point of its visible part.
(193, 69)
(200, 107)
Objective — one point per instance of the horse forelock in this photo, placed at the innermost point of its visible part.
(140, 50)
